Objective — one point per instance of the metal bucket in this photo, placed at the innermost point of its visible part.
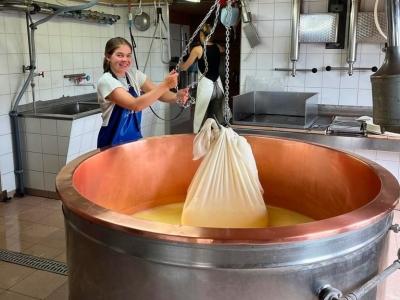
(112, 255)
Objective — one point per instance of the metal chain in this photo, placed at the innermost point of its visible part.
(185, 51)
(227, 111)
(216, 6)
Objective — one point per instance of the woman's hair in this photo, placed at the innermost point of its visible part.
(206, 30)
(112, 45)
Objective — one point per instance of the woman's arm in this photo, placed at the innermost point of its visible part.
(196, 53)
(168, 96)
(121, 97)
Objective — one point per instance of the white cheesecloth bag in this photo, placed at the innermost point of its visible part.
(225, 192)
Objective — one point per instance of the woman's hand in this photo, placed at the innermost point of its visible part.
(182, 96)
(171, 80)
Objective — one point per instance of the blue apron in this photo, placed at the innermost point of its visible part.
(123, 126)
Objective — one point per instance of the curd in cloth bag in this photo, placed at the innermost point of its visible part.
(225, 192)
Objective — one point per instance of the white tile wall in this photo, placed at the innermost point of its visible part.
(273, 24)
(46, 152)
(64, 46)
(83, 138)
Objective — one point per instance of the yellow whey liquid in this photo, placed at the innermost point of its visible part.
(171, 214)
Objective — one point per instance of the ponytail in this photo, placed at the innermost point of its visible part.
(106, 65)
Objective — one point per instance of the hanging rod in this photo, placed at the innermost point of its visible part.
(49, 9)
(119, 4)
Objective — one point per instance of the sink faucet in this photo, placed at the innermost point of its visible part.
(78, 78)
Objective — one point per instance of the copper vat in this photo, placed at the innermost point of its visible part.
(112, 255)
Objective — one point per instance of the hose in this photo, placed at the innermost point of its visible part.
(377, 20)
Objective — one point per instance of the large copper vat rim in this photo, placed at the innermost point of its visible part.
(370, 213)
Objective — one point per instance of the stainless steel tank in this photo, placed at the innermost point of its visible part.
(112, 255)
(386, 81)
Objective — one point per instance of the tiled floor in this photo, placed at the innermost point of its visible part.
(35, 226)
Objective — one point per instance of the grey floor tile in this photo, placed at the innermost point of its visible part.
(62, 257)
(59, 294)
(8, 295)
(39, 284)
(11, 274)
(43, 251)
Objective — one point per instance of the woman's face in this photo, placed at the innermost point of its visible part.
(121, 60)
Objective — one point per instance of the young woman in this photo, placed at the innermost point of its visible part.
(120, 98)
(210, 95)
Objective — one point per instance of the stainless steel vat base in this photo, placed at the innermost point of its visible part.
(106, 265)
(112, 255)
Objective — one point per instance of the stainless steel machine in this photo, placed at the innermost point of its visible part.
(386, 81)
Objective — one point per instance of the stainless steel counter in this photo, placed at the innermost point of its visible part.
(317, 135)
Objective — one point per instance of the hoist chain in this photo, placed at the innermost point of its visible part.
(227, 111)
(216, 6)
(185, 51)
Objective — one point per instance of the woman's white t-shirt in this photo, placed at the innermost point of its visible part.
(107, 83)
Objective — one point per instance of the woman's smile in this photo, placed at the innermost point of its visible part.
(121, 60)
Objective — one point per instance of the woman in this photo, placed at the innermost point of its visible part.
(210, 95)
(119, 95)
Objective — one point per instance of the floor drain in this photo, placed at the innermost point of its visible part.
(39, 263)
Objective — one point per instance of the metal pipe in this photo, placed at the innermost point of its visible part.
(330, 293)
(66, 9)
(110, 4)
(78, 75)
(393, 14)
(369, 285)
(50, 9)
(313, 70)
(352, 36)
(294, 42)
(372, 69)
(17, 7)
(27, 15)
(168, 33)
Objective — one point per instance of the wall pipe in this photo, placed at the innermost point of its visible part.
(18, 169)
(352, 36)
(393, 12)
(294, 42)
(109, 4)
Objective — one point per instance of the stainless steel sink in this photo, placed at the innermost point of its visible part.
(64, 108)
(69, 108)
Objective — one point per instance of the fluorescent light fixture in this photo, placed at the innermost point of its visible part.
(197, 1)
